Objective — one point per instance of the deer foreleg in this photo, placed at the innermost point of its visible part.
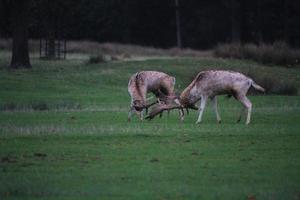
(215, 108)
(201, 108)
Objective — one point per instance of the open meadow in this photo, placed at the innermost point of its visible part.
(64, 135)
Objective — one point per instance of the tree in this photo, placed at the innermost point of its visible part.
(235, 21)
(178, 27)
(20, 54)
(285, 21)
(259, 21)
(51, 10)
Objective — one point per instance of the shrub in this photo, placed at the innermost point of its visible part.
(228, 50)
(274, 85)
(95, 59)
(286, 89)
(8, 106)
(278, 53)
(126, 55)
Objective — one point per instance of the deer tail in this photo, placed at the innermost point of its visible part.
(257, 87)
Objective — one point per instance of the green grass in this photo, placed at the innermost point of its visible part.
(81, 146)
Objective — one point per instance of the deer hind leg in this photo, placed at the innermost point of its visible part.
(215, 108)
(181, 113)
(201, 108)
(247, 106)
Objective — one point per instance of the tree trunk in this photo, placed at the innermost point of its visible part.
(20, 54)
(235, 21)
(178, 27)
(51, 48)
(259, 19)
(285, 22)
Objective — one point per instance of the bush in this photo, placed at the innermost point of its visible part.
(274, 85)
(95, 59)
(228, 50)
(8, 106)
(278, 53)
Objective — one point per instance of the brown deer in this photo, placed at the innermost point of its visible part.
(209, 84)
(141, 83)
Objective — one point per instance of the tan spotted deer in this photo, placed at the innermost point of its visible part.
(141, 83)
(209, 84)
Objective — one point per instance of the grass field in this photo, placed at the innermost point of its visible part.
(64, 135)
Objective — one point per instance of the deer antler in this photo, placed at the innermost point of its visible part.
(163, 97)
(149, 105)
(160, 108)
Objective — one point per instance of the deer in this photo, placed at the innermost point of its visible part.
(208, 85)
(144, 82)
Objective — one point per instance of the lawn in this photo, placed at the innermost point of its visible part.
(64, 135)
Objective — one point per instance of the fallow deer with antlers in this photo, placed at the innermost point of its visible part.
(141, 83)
(209, 84)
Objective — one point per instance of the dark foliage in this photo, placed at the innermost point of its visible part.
(203, 23)
(20, 21)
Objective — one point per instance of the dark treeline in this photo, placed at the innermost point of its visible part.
(203, 23)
